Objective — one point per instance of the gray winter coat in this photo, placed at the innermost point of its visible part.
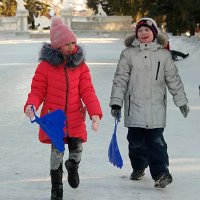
(142, 75)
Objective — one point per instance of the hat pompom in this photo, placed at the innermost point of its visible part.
(56, 21)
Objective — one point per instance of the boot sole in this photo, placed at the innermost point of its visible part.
(138, 178)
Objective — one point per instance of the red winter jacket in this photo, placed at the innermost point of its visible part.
(66, 85)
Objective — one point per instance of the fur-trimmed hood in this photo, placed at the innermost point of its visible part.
(56, 58)
(131, 40)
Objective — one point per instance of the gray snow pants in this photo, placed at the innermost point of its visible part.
(75, 153)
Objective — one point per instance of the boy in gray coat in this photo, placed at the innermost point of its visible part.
(145, 69)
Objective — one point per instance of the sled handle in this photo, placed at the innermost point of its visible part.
(117, 120)
(36, 117)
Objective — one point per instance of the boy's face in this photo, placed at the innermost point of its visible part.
(68, 48)
(145, 35)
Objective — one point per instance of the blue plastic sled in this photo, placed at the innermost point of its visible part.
(53, 124)
(113, 151)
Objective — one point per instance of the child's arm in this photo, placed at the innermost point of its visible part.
(176, 87)
(38, 87)
(174, 83)
(120, 82)
(87, 93)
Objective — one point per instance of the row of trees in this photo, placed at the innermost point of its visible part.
(35, 8)
(8, 7)
(177, 16)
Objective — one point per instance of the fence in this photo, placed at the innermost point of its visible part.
(79, 23)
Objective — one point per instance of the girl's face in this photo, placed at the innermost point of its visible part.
(68, 48)
(145, 35)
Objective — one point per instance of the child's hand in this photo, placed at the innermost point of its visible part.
(116, 112)
(29, 112)
(95, 122)
(184, 110)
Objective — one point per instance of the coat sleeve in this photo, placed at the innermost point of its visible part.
(174, 83)
(38, 87)
(87, 93)
(120, 81)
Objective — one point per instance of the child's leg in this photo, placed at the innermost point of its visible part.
(175, 54)
(56, 174)
(75, 150)
(56, 158)
(75, 153)
(157, 150)
(137, 151)
(158, 158)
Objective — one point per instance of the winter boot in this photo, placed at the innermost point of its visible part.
(186, 55)
(137, 174)
(162, 180)
(73, 176)
(57, 185)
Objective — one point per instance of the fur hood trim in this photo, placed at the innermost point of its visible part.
(74, 60)
(56, 58)
(161, 39)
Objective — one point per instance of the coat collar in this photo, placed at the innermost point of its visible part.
(160, 42)
(56, 58)
(146, 46)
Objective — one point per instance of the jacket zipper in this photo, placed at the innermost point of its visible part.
(158, 70)
(66, 94)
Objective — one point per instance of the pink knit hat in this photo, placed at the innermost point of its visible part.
(60, 34)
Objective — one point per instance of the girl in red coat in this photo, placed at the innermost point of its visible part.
(62, 81)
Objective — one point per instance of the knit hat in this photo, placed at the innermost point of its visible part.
(60, 34)
(148, 22)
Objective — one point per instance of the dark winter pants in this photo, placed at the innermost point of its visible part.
(75, 153)
(176, 53)
(147, 147)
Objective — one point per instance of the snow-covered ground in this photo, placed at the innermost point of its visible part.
(24, 170)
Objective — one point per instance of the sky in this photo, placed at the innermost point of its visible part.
(24, 171)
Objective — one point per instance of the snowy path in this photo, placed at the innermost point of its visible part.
(24, 171)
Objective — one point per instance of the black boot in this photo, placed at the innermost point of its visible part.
(163, 179)
(73, 176)
(57, 185)
(137, 174)
(186, 55)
